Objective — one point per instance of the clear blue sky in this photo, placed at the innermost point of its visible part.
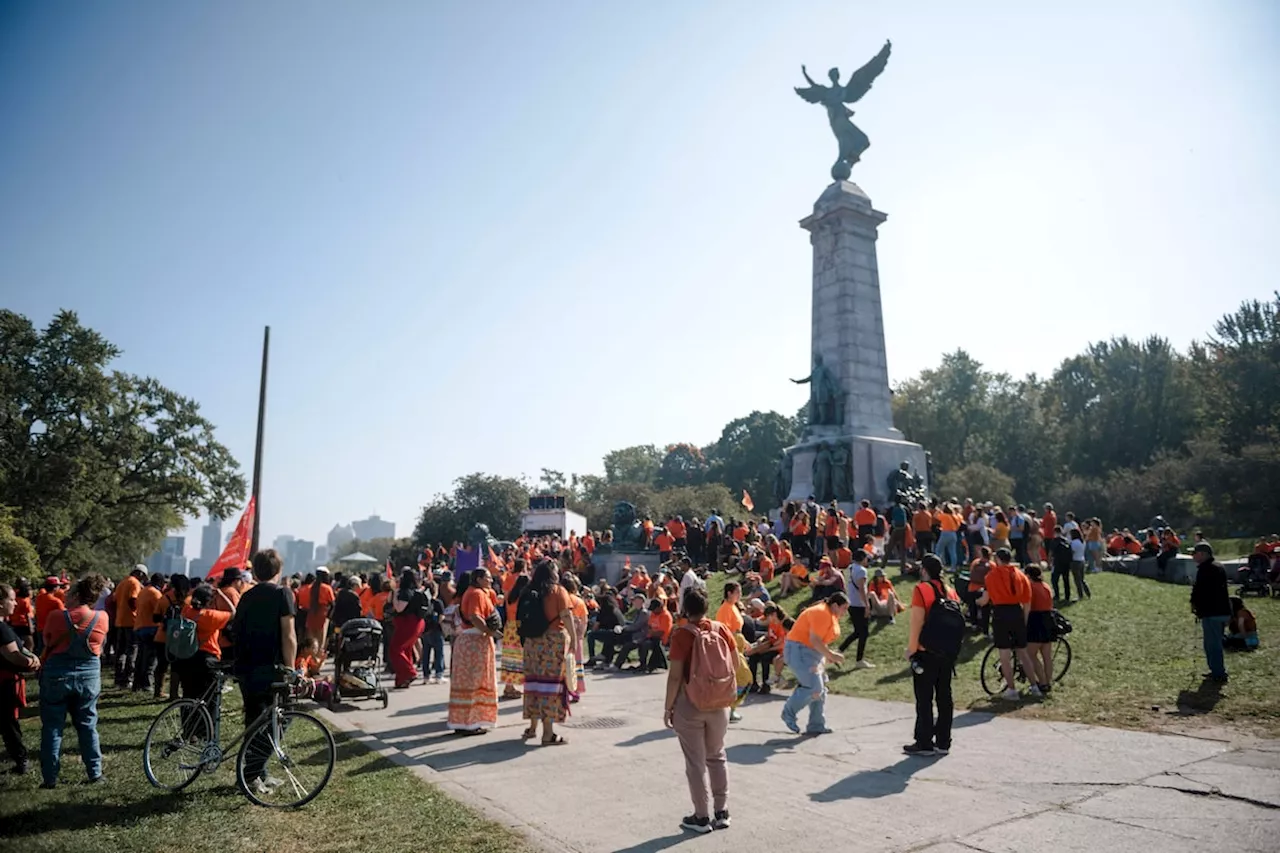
(587, 209)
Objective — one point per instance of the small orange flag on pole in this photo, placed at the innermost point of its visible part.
(747, 502)
(237, 551)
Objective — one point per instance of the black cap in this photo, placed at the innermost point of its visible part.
(1204, 548)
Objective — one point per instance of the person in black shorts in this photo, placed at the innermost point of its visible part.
(1008, 591)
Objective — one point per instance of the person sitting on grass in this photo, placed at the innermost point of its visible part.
(659, 626)
(882, 598)
(634, 633)
(827, 581)
(1242, 628)
(767, 649)
(795, 578)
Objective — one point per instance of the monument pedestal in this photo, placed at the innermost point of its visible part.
(848, 342)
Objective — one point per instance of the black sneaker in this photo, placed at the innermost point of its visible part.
(917, 749)
(941, 750)
(721, 820)
(693, 823)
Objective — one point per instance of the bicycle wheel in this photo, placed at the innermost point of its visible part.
(175, 744)
(286, 760)
(992, 680)
(1061, 658)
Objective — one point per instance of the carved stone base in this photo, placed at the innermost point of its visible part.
(872, 459)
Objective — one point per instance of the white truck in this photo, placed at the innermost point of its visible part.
(558, 521)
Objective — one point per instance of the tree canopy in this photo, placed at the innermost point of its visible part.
(99, 465)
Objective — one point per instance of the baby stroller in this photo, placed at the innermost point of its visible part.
(1254, 577)
(357, 663)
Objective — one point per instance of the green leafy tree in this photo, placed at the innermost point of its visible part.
(746, 455)
(1239, 368)
(638, 464)
(979, 481)
(947, 409)
(476, 498)
(682, 465)
(18, 557)
(99, 464)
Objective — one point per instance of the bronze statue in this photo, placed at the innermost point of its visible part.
(822, 473)
(826, 398)
(841, 476)
(905, 486)
(627, 533)
(851, 140)
(480, 539)
(782, 479)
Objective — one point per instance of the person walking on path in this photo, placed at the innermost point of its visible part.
(700, 732)
(473, 688)
(408, 606)
(931, 671)
(1211, 603)
(546, 681)
(859, 608)
(808, 647)
(71, 680)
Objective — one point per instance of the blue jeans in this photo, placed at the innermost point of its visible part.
(1213, 627)
(69, 686)
(946, 548)
(811, 688)
(433, 643)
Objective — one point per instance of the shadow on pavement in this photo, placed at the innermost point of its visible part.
(759, 753)
(873, 784)
(654, 845)
(970, 719)
(647, 737)
(419, 709)
(484, 752)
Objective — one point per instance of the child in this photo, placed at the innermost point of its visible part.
(307, 667)
(1242, 629)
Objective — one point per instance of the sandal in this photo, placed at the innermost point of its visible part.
(556, 740)
(528, 733)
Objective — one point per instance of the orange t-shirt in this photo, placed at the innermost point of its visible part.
(766, 568)
(209, 623)
(729, 616)
(844, 557)
(677, 529)
(1008, 585)
(126, 601)
(777, 634)
(57, 634)
(832, 526)
(148, 600)
(302, 598)
(948, 522)
(922, 521)
(21, 616)
(817, 619)
(864, 517)
(1041, 597)
(378, 605)
(740, 533)
(321, 601)
(307, 664)
(579, 610)
(1115, 543)
(366, 600)
(554, 603)
(1047, 522)
(800, 526)
(663, 541)
(46, 603)
(880, 587)
(660, 623)
(476, 602)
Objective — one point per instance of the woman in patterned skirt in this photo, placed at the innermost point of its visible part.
(473, 690)
(512, 647)
(546, 694)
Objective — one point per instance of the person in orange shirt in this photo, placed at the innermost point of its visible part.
(843, 557)
(882, 598)
(679, 533)
(865, 520)
(1048, 522)
(931, 672)
(664, 542)
(320, 604)
(22, 620)
(807, 648)
(174, 595)
(766, 567)
(795, 577)
(661, 621)
(46, 603)
(1116, 544)
(302, 600)
(1041, 630)
(947, 547)
(126, 595)
(144, 629)
(767, 649)
(646, 528)
(729, 615)
(195, 673)
(1008, 591)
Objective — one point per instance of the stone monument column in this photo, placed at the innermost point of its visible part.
(848, 325)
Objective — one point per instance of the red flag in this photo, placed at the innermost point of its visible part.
(390, 574)
(747, 502)
(237, 551)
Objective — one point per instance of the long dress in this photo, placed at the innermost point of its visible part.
(512, 651)
(473, 689)
(546, 676)
(577, 643)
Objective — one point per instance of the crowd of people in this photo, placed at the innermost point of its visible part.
(533, 617)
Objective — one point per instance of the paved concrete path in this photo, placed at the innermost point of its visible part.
(1008, 785)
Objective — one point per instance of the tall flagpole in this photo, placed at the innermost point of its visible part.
(257, 450)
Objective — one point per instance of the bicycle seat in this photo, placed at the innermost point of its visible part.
(222, 666)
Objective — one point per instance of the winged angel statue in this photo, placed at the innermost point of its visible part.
(834, 97)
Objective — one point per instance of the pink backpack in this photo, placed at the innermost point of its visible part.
(713, 666)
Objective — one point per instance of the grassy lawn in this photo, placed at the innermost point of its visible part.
(1136, 648)
(370, 804)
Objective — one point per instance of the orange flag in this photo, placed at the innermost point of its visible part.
(747, 502)
(237, 551)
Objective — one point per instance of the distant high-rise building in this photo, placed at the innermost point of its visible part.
(299, 556)
(340, 535)
(210, 539)
(169, 559)
(374, 527)
(199, 567)
(322, 554)
(282, 544)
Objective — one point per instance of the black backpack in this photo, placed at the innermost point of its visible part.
(531, 615)
(943, 631)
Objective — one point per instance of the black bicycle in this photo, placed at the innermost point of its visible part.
(993, 679)
(285, 759)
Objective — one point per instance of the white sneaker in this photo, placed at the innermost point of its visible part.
(734, 716)
(1034, 691)
(864, 664)
(1011, 695)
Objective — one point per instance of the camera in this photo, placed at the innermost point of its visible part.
(917, 663)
